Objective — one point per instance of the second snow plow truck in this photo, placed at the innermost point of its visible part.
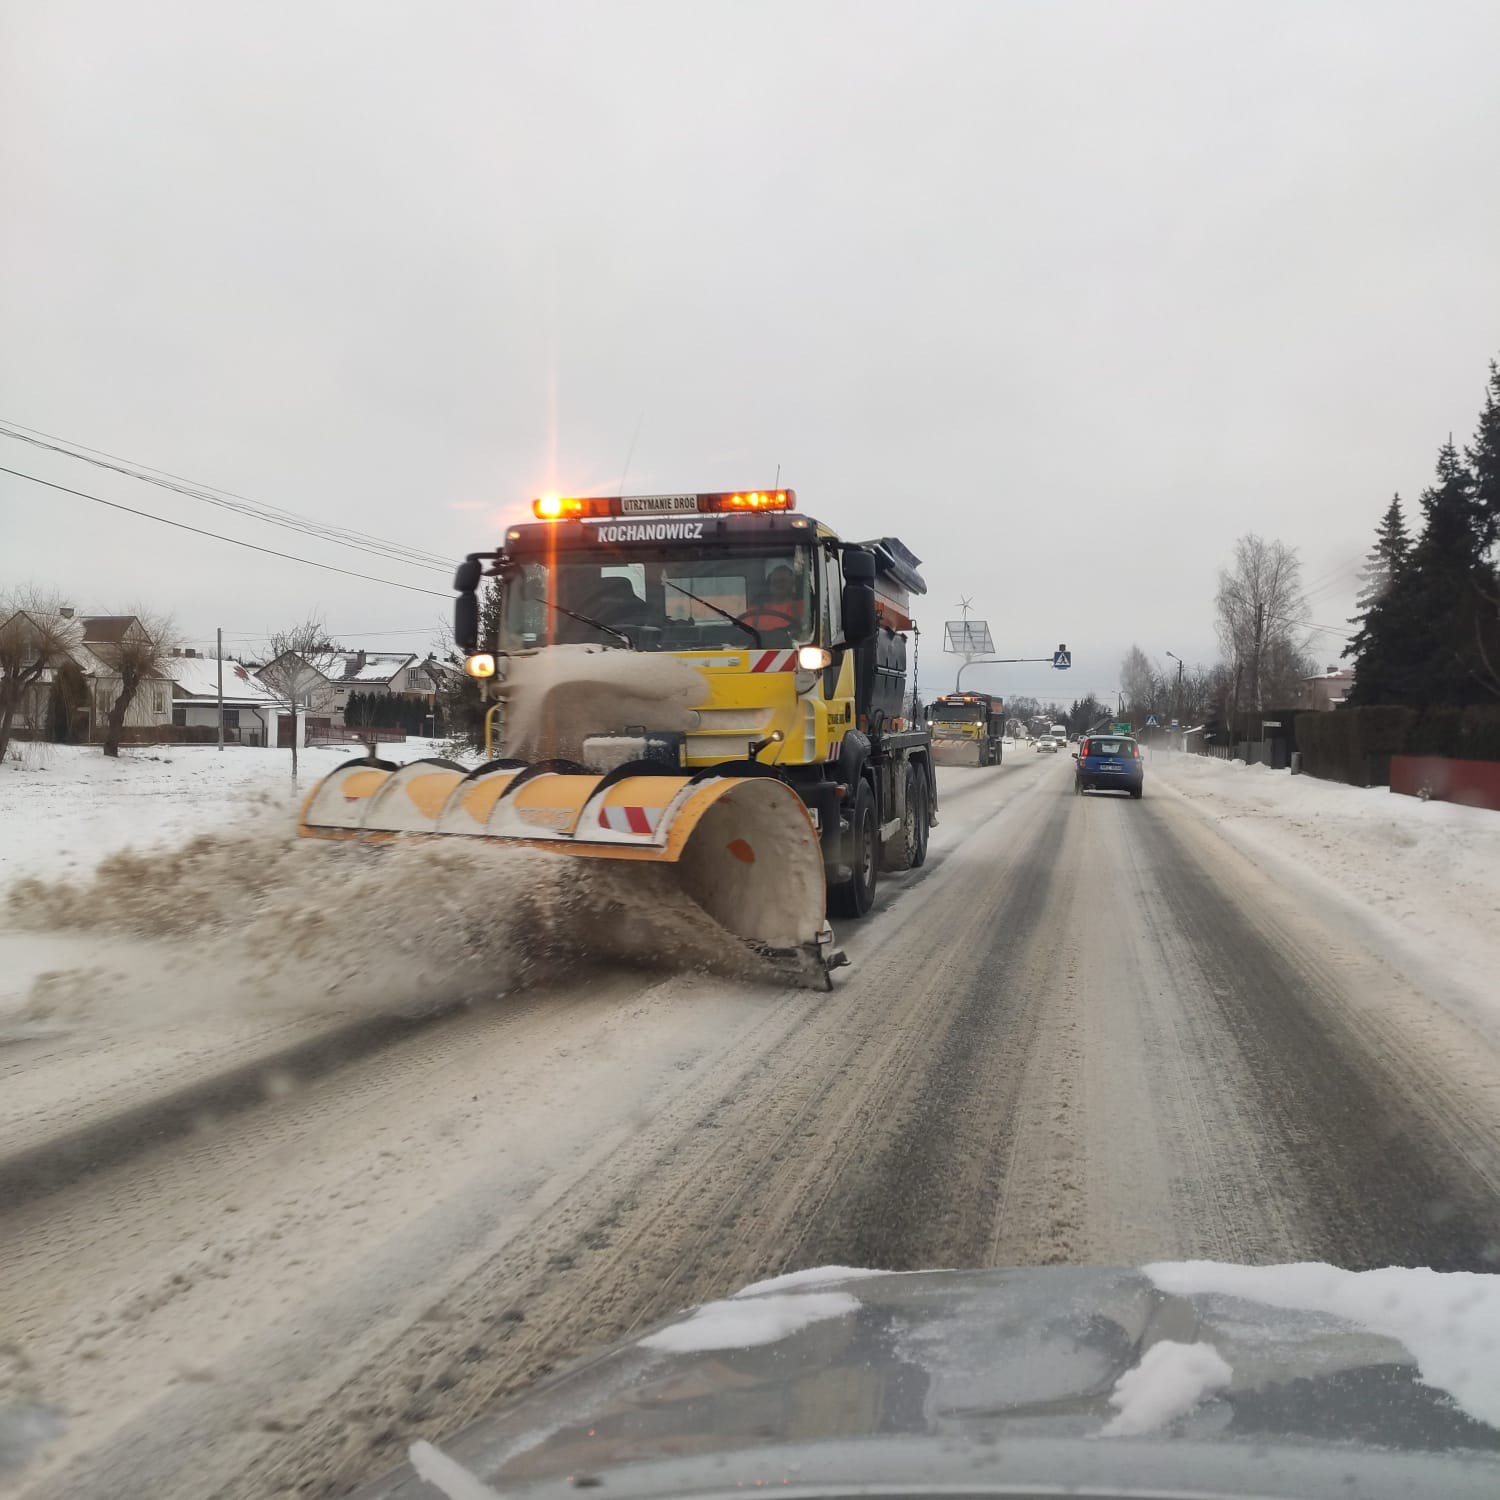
(793, 774)
(967, 728)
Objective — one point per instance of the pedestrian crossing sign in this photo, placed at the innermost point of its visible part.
(1152, 722)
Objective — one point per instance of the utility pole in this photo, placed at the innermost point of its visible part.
(219, 654)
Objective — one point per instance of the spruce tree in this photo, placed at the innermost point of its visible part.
(1417, 645)
(1484, 465)
(1385, 558)
(1379, 635)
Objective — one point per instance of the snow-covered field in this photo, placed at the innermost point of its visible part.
(62, 807)
(1426, 873)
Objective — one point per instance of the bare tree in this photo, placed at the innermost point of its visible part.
(144, 651)
(293, 673)
(36, 638)
(1261, 616)
(1140, 680)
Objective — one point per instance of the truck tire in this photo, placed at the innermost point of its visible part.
(999, 752)
(908, 849)
(856, 895)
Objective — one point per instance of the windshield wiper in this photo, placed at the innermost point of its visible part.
(573, 614)
(744, 625)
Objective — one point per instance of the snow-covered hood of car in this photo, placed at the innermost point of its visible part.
(1219, 1380)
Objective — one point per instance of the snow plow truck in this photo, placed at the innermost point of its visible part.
(800, 768)
(967, 728)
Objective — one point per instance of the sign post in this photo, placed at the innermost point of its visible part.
(971, 639)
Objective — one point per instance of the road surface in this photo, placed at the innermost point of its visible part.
(1088, 1031)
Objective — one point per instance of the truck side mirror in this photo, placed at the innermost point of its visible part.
(466, 621)
(860, 622)
(859, 612)
(466, 577)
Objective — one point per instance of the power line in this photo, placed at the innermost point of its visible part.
(271, 515)
(220, 537)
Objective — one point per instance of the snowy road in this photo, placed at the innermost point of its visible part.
(1091, 1030)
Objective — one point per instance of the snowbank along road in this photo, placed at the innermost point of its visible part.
(1091, 1030)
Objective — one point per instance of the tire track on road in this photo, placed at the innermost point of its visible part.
(1346, 1139)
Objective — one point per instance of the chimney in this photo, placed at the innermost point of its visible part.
(189, 651)
(66, 611)
(359, 660)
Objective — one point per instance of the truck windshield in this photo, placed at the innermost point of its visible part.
(956, 713)
(671, 598)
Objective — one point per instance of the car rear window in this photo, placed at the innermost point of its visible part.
(1111, 747)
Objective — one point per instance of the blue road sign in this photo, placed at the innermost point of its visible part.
(1152, 722)
(1062, 659)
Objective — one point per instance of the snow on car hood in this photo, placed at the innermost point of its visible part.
(1222, 1380)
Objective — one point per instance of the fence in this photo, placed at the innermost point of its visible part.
(1360, 745)
(1475, 783)
(341, 734)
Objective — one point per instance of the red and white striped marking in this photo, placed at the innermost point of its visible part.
(629, 819)
(774, 661)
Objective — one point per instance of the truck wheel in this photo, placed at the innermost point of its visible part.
(924, 817)
(908, 849)
(856, 895)
(999, 752)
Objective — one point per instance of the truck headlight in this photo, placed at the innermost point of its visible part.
(814, 658)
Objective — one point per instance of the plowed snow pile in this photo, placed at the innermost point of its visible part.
(263, 921)
(283, 921)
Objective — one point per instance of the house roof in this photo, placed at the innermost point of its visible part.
(379, 666)
(346, 667)
(110, 629)
(197, 677)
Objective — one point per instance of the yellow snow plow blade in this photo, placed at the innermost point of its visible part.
(958, 745)
(744, 848)
(957, 752)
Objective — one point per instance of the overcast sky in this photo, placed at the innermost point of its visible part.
(1065, 295)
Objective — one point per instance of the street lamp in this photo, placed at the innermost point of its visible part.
(1175, 657)
(1177, 704)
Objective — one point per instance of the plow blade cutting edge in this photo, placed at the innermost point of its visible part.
(744, 848)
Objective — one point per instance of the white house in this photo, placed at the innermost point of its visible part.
(250, 709)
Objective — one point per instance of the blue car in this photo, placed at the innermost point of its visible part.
(1109, 763)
